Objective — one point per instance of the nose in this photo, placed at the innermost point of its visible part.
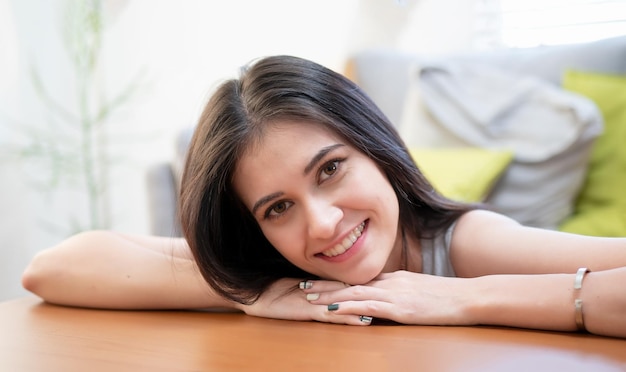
(322, 219)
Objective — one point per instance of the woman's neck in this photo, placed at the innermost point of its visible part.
(406, 253)
(413, 253)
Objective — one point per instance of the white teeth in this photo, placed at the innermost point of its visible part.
(346, 243)
(352, 237)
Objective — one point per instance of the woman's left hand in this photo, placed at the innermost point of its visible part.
(282, 300)
(402, 296)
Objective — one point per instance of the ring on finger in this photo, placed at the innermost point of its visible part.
(365, 319)
(306, 284)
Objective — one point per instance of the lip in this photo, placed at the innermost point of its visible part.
(356, 247)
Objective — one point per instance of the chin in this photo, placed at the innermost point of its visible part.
(363, 277)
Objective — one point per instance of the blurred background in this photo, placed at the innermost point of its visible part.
(93, 93)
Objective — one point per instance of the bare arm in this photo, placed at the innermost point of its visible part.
(546, 301)
(492, 247)
(101, 269)
(110, 270)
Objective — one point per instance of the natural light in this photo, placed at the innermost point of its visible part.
(530, 23)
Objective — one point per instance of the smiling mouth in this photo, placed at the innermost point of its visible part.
(346, 244)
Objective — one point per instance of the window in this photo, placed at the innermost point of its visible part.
(528, 23)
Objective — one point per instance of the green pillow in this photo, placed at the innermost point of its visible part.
(600, 208)
(465, 174)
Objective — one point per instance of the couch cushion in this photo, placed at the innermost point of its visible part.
(601, 205)
(465, 174)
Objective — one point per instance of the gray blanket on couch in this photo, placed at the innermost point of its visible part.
(549, 130)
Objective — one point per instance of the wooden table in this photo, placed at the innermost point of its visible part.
(36, 336)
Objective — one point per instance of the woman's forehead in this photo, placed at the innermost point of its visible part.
(288, 133)
(283, 152)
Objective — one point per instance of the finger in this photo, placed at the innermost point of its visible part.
(354, 293)
(327, 316)
(316, 286)
(373, 309)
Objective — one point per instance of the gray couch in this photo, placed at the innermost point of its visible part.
(386, 75)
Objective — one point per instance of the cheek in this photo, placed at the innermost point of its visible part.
(286, 241)
(388, 202)
(381, 190)
(391, 199)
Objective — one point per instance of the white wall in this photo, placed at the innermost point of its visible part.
(185, 48)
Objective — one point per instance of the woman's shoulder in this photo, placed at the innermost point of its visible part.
(483, 218)
(480, 239)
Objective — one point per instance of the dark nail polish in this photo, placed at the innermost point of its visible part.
(333, 307)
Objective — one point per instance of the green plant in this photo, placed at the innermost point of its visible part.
(73, 146)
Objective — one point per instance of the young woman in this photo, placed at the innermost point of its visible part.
(300, 201)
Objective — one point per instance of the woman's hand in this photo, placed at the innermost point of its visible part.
(401, 296)
(284, 300)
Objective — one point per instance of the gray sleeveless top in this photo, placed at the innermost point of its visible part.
(436, 254)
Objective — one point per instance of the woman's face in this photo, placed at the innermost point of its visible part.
(323, 205)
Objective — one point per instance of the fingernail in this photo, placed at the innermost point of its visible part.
(365, 319)
(333, 307)
(312, 296)
(306, 284)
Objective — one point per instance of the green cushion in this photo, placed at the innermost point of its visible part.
(465, 174)
(600, 208)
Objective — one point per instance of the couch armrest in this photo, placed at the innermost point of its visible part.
(162, 201)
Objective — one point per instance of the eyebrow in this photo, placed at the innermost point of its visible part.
(314, 160)
(264, 200)
(320, 154)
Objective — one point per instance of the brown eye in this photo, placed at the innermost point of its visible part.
(279, 208)
(330, 168)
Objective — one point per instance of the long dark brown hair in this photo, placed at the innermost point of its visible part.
(232, 253)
